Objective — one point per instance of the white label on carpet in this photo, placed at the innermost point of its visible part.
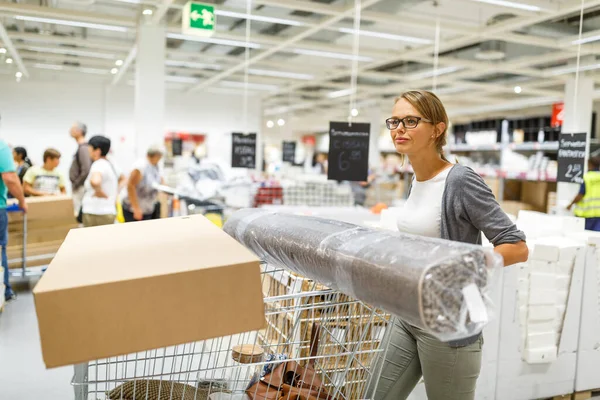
(475, 304)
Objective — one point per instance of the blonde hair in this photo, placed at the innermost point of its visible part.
(431, 108)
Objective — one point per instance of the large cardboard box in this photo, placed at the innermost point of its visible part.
(124, 288)
(46, 207)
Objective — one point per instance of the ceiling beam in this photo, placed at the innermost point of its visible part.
(126, 64)
(492, 31)
(285, 44)
(12, 51)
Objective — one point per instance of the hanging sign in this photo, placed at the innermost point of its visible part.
(289, 152)
(243, 150)
(177, 147)
(571, 157)
(348, 151)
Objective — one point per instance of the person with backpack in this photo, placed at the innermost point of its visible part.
(100, 187)
(80, 167)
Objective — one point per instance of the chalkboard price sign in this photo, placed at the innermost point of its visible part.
(177, 147)
(289, 152)
(571, 157)
(243, 150)
(348, 151)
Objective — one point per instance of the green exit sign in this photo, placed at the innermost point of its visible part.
(199, 19)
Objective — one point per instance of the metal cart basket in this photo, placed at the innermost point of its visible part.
(307, 324)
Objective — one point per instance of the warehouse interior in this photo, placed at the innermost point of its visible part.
(266, 173)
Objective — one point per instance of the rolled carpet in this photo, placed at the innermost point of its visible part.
(437, 285)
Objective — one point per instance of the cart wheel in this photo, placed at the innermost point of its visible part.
(247, 353)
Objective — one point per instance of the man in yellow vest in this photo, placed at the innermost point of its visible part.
(587, 202)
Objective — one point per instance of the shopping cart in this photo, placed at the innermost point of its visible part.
(308, 327)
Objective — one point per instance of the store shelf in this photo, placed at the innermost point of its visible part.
(470, 147)
(530, 176)
(529, 146)
(534, 146)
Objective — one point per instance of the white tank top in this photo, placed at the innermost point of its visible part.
(422, 212)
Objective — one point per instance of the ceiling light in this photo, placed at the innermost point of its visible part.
(118, 63)
(354, 112)
(181, 79)
(177, 63)
(261, 18)
(270, 124)
(74, 52)
(340, 93)
(225, 42)
(48, 66)
(92, 71)
(147, 11)
(328, 54)
(9, 60)
(431, 73)
(382, 35)
(257, 86)
(518, 89)
(78, 24)
(114, 71)
(511, 4)
(281, 122)
(572, 69)
(19, 74)
(281, 74)
(2, 50)
(586, 40)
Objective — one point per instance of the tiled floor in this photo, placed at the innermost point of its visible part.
(22, 372)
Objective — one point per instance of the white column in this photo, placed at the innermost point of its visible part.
(377, 121)
(149, 87)
(577, 119)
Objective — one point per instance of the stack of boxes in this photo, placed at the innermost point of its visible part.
(541, 310)
(49, 220)
(544, 284)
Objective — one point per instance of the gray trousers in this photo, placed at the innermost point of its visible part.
(450, 373)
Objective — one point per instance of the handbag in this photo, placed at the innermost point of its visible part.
(291, 381)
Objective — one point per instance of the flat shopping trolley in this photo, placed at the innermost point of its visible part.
(310, 331)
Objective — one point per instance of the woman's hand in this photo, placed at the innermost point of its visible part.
(513, 253)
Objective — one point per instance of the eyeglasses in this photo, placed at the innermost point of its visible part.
(408, 122)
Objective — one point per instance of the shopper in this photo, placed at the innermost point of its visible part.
(80, 167)
(9, 181)
(451, 202)
(588, 205)
(140, 196)
(22, 162)
(101, 186)
(45, 180)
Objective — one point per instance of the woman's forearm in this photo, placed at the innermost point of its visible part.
(513, 253)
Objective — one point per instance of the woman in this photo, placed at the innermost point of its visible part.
(140, 196)
(451, 202)
(22, 161)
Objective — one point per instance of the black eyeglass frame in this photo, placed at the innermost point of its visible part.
(401, 121)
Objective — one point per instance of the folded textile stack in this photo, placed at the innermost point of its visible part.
(437, 285)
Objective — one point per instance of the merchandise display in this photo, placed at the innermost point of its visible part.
(437, 285)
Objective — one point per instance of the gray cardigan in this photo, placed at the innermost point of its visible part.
(469, 208)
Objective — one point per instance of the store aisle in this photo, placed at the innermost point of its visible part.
(23, 375)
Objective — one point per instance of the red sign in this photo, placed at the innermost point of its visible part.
(558, 114)
(309, 140)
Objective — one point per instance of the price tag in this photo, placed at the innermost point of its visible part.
(571, 157)
(289, 152)
(348, 151)
(243, 150)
